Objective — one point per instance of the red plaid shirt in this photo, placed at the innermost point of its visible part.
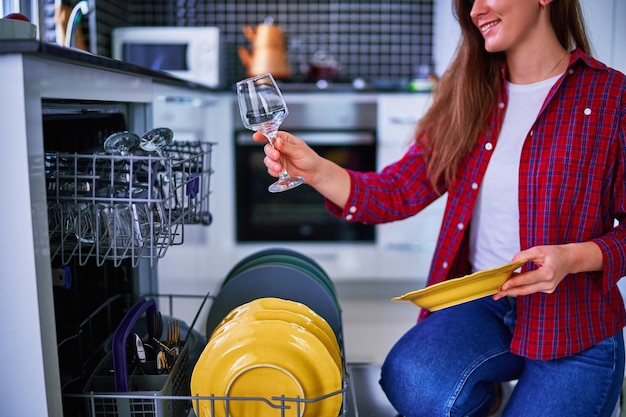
(571, 188)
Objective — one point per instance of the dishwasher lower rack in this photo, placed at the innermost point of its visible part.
(279, 406)
(155, 396)
(159, 396)
(115, 207)
(169, 395)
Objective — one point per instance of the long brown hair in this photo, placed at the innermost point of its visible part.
(469, 88)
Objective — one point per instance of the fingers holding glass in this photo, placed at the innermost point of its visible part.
(263, 108)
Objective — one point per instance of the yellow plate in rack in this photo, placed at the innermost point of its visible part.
(291, 317)
(266, 359)
(460, 290)
(274, 303)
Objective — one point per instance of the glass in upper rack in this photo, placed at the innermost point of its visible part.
(263, 108)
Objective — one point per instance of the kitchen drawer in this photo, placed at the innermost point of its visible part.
(398, 115)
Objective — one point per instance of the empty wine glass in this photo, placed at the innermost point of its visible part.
(263, 108)
(154, 140)
(121, 143)
(119, 177)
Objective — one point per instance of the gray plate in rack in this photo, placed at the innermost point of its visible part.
(279, 281)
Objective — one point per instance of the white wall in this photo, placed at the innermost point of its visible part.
(606, 27)
(606, 24)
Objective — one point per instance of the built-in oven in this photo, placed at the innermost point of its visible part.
(343, 131)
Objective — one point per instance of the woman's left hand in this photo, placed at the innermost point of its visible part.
(553, 263)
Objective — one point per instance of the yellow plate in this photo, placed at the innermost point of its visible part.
(272, 303)
(460, 290)
(266, 359)
(307, 323)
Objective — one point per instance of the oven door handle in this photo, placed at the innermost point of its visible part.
(322, 138)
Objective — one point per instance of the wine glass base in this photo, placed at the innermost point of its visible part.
(285, 184)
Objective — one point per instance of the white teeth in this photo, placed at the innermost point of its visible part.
(486, 27)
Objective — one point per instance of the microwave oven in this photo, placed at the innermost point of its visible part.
(189, 53)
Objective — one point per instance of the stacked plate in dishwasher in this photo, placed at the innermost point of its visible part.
(274, 348)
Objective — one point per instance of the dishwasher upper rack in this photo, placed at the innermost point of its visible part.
(115, 207)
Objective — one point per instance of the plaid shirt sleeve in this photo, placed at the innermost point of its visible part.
(571, 189)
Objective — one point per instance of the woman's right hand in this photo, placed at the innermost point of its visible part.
(293, 154)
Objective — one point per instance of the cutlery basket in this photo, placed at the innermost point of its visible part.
(142, 392)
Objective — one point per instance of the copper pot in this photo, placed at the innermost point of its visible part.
(269, 52)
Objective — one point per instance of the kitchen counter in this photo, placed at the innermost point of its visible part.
(79, 57)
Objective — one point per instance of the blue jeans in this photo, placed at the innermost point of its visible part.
(448, 365)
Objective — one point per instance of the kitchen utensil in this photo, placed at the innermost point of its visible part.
(323, 66)
(157, 331)
(460, 290)
(137, 348)
(269, 53)
(263, 108)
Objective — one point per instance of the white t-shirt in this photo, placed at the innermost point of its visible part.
(494, 235)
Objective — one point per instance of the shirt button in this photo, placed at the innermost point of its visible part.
(460, 226)
(488, 146)
(474, 186)
(445, 265)
(352, 209)
(531, 133)
(571, 71)
(349, 217)
(587, 111)
(501, 104)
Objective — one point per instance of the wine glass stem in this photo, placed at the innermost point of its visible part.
(270, 138)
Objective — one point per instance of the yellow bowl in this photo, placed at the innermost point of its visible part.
(460, 290)
(266, 359)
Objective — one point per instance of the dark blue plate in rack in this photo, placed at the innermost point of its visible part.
(282, 255)
(279, 281)
(294, 262)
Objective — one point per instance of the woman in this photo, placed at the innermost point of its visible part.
(527, 135)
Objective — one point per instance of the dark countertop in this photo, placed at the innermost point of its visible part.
(79, 57)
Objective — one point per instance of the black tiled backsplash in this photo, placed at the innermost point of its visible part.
(376, 40)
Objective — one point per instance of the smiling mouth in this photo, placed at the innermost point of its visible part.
(484, 28)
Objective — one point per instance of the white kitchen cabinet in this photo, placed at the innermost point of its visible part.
(405, 245)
